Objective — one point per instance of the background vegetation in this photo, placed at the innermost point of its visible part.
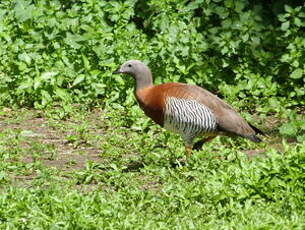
(57, 57)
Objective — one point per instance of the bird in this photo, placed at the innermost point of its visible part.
(188, 110)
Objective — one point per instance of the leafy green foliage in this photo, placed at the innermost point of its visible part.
(66, 51)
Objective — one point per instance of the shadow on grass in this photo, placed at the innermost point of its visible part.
(134, 166)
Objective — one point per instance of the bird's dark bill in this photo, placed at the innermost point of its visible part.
(117, 71)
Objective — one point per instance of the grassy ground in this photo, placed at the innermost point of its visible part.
(69, 168)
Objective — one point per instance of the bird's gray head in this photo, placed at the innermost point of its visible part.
(138, 70)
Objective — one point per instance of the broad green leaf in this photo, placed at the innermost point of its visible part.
(62, 93)
(298, 22)
(72, 40)
(25, 57)
(46, 96)
(296, 74)
(25, 84)
(285, 25)
(288, 8)
(86, 62)
(222, 12)
(78, 80)
(37, 82)
(191, 6)
(23, 10)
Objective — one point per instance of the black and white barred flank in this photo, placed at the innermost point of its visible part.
(188, 118)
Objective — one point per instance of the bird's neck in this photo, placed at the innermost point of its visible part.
(143, 80)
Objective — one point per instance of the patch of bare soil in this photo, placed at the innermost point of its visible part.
(53, 143)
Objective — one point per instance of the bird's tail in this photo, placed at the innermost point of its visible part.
(253, 137)
(257, 130)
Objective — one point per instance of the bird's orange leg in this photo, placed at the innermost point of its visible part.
(188, 150)
(209, 138)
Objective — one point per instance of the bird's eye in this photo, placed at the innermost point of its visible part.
(129, 65)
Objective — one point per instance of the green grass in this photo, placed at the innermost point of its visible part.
(98, 170)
